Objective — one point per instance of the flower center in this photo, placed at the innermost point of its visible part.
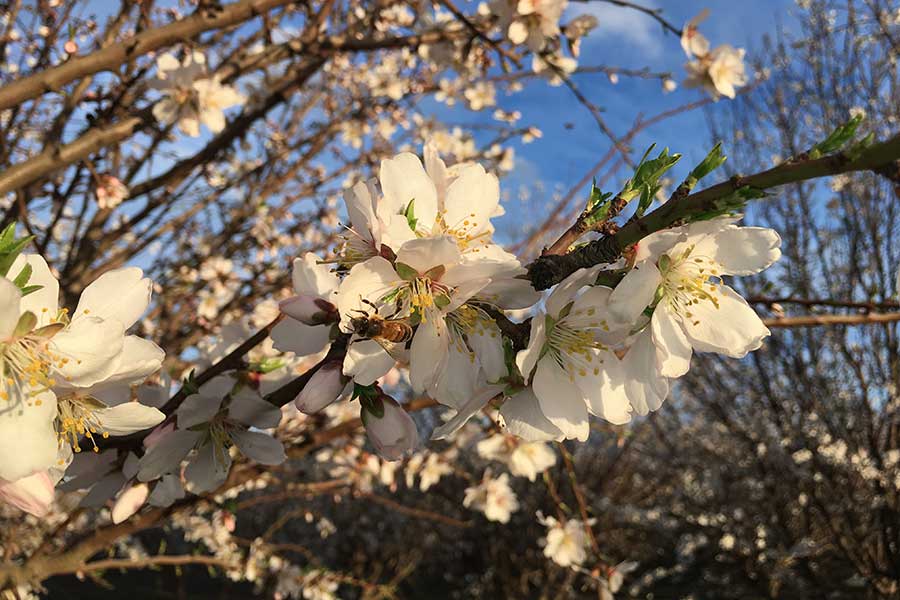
(575, 350)
(27, 361)
(468, 232)
(688, 280)
(78, 417)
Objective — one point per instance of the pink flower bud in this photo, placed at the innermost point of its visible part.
(129, 502)
(390, 429)
(70, 47)
(33, 493)
(309, 310)
(323, 388)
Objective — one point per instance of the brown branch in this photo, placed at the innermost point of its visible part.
(817, 320)
(106, 59)
(415, 512)
(150, 561)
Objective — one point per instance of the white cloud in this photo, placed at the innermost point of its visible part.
(620, 23)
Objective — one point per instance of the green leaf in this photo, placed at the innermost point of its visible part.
(267, 365)
(25, 324)
(410, 214)
(189, 385)
(713, 161)
(11, 252)
(23, 276)
(30, 289)
(645, 182)
(598, 205)
(8, 236)
(838, 138)
(364, 391)
(406, 272)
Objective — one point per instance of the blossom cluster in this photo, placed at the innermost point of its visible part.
(419, 282)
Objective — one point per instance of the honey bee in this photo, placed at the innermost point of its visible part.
(378, 328)
(392, 334)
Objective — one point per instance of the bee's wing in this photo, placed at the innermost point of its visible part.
(397, 350)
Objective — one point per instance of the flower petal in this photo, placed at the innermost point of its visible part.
(527, 359)
(635, 292)
(129, 417)
(208, 469)
(561, 401)
(120, 294)
(262, 448)
(673, 350)
(10, 299)
(166, 455)
(403, 178)
(290, 335)
(44, 303)
(523, 418)
(423, 254)
(366, 361)
(313, 279)
(733, 328)
(248, 408)
(28, 441)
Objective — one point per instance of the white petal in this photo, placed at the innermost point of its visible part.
(197, 409)
(605, 389)
(44, 303)
(369, 280)
(563, 293)
(260, 447)
(10, 297)
(635, 292)
(129, 418)
(523, 418)
(121, 294)
(426, 253)
(360, 203)
(139, 358)
(313, 279)
(26, 429)
(366, 361)
(208, 469)
(456, 378)
(561, 401)
(471, 200)
(166, 455)
(290, 335)
(487, 343)
(130, 502)
(428, 351)
(526, 359)
(167, 491)
(744, 250)
(248, 408)
(476, 402)
(645, 388)
(732, 329)
(92, 347)
(404, 179)
(673, 350)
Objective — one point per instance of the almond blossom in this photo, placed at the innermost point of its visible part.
(189, 96)
(566, 542)
(678, 274)
(493, 497)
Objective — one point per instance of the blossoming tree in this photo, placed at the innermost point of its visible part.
(188, 311)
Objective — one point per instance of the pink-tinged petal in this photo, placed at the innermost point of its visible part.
(290, 335)
(476, 402)
(128, 418)
(33, 494)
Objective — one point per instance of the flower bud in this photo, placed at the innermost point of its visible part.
(323, 388)
(33, 493)
(390, 429)
(309, 310)
(129, 502)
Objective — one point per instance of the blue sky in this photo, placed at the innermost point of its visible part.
(626, 38)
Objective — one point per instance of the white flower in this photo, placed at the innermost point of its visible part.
(553, 67)
(110, 192)
(432, 471)
(493, 497)
(212, 421)
(572, 370)
(566, 543)
(524, 459)
(693, 42)
(720, 72)
(678, 274)
(615, 578)
(481, 95)
(311, 280)
(99, 362)
(189, 97)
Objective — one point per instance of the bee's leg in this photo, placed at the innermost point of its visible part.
(369, 302)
